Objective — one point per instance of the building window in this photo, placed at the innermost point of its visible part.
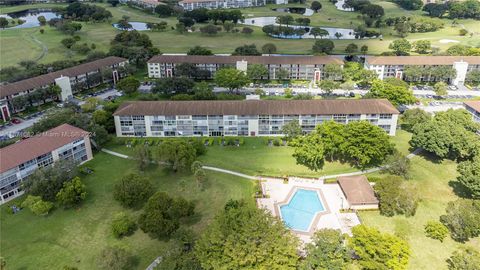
(385, 116)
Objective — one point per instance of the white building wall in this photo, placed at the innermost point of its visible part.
(461, 68)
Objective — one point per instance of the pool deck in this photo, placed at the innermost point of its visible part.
(331, 195)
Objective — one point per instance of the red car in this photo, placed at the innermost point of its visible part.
(16, 121)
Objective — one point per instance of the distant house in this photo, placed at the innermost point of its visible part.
(214, 4)
(245, 117)
(473, 107)
(394, 66)
(358, 191)
(87, 75)
(297, 67)
(21, 159)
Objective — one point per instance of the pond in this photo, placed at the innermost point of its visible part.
(30, 17)
(295, 10)
(346, 33)
(139, 26)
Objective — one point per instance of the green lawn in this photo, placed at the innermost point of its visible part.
(75, 237)
(20, 44)
(431, 180)
(255, 157)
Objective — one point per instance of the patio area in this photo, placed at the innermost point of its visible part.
(279, 193)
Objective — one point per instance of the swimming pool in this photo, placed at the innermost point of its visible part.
(300, 211)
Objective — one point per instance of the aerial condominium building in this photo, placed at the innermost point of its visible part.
(298, 67)
(21, 159)
(214, 4)
(69, 80)
(245, 117)
(473, 107)
(394, 66)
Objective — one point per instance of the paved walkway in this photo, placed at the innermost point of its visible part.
(409, 156)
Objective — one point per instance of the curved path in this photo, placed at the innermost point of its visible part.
(409, 156)
(44, 47)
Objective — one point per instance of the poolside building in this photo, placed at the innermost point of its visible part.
(245, 117)
(394, 66)
(21, 159)
(70, 80)
(297, 67)
(473, 107)
(358, 192)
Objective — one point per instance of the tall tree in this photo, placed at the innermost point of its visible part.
(292, 130)
(309, 151)
(245, 237)
(396, 94)
(162, 214)
(177, 154)
(231, 78)
(256, 72)
(72, 193)
(132, 190)
(400, 46)
(129, 85)
(323, 46)
(326, 251)
(376, 250)
(469, 177)
(462, 219)
(365, 144)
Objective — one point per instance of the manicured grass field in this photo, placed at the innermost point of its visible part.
(431, 179)
(76, 237)
(19, 44)
(255, 157)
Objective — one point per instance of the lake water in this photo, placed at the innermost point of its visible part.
(262, 21)
(295, 10)
(139, 26)
(30, 17)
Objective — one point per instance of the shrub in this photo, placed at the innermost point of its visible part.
(462, 219)
(132, 190)
(161, 215)
(72, 193)
(123, 225)
(37, 206)
(436, 230)
(395, 198)
(276, 142)
(464, 259)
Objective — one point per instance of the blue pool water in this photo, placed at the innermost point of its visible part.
(300, 211)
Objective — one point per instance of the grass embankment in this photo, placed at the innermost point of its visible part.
(19, 44)
(76, 237)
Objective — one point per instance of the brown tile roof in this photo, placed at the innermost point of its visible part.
(357, 190)
(25, 150)
(257, 107)
(230, 59)
(46, 79)
(421, 60)
(474, 105)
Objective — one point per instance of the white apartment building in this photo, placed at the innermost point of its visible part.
(21, 159)
(473, 107)
(245, 117)
(393, 66)
(298, 67)
(65, 78)
(214, 4)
